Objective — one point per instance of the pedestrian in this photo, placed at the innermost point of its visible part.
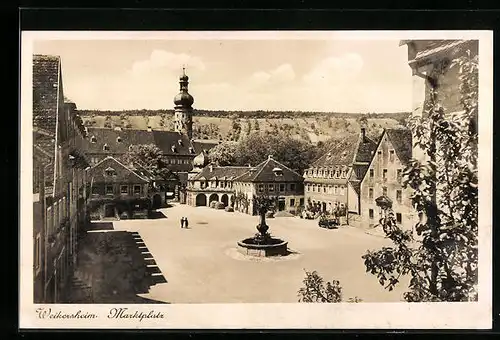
(186, 222)
(182, 222)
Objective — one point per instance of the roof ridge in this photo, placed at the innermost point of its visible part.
(279, 163)
(262, 168)
(120, 163)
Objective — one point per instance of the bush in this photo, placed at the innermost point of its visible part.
(212, 204)
(270, 214)
(315, 290)
(219, 205)
(229, 209)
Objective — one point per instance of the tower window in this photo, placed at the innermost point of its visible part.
(399, 218)
(384, 174)
(370, 193)
(370, 214)
(384, 191)
(371, 173)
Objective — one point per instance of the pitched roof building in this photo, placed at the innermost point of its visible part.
(384, 179)
(333, 179)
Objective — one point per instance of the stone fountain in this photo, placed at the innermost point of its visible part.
(263, 244)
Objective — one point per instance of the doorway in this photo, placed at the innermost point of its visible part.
(109, 210)
(281, 204)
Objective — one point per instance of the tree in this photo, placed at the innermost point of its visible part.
(315, 290)
(150, 157)
(293, 153)
(224, 153)
(443, 267)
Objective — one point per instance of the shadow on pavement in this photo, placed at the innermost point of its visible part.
(100, 226)
(114, 267)
(153, 215)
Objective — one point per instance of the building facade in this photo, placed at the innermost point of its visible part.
(430, 62)
(59, 182)
(273, 179)
(384, 178)
(333, 180)
(117, 191)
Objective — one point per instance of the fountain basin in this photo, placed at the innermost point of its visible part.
(274, 247)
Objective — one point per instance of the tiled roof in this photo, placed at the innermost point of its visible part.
(202, 144)
(435, 47)
(119, 141)
(356, 185)
(344, 151)
(264, 173)
(341, 153)
(365, 151)
(220, 172)
(401, 140)
(45, 91)
(123, 173)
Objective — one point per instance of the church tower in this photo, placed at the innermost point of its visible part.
(183, 119)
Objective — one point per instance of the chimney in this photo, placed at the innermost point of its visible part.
(363, 134)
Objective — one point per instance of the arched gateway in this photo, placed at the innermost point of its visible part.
(201, 200)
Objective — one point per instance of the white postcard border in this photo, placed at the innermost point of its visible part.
(476, 315)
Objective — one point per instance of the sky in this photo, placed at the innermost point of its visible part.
(306, 75)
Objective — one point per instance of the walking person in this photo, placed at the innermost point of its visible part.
(186, 222)
(182, 222)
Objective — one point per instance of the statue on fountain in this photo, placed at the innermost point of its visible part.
(263, 204)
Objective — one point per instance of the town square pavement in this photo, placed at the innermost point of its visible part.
(201, 264)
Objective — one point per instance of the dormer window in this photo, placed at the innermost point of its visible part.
(105, 147)
(93, 139)
(278, 172)
(118, 139)
(191, 150)
(174, 148)
(130, 148)
(179, 141)
(110, 172)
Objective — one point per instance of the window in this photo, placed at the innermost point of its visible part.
(118, 139)
(344, 174)
(282, 187)
(261, 187)
(301, 202)
(342, 190)
(105, 147)
(372, 173)
(109, 172)
(56, 216)
(50, 220)
(324, 188)
(335, 188)
(292, 187)
(399, 174)
(370, 193)
(124, 189)
(137, 189)
(314, 188)
(384, 191)
(109, 189)
(370, 214)
(38, 252)
(384, 174)
(292, 202)
(270, 187)
(399, 196)
(379, 154)
(179, 161)
(337, 173)
(93, 139)
(399, 218)
(391, 155)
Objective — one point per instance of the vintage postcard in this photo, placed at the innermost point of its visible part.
(256, 180)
